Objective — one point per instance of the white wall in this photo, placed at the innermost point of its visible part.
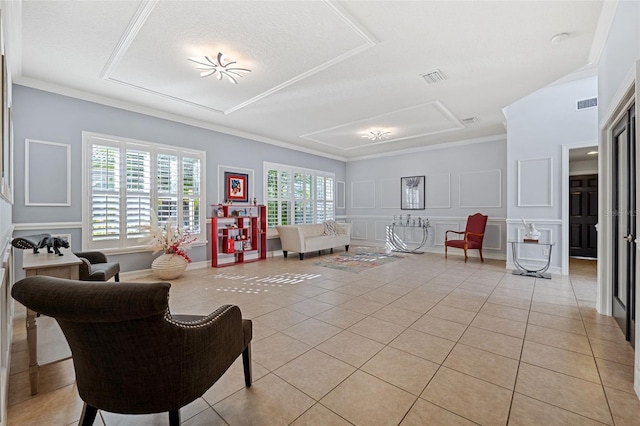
(538, 126)
(461, 179)
(617, 70)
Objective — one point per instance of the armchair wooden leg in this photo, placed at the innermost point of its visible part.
(174, 418)
(465, 255)
(445, 249)
(246, 363)
(285, 253)
(88, 415)
(481, 259)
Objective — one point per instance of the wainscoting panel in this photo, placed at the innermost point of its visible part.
(340, 195)
(381, 229)
(492, 237)
(481, 189)
(535, 182)
(359, 229)
(389, 193)
(363, 194)
(438, 191)
(47, 173)
(441, 227)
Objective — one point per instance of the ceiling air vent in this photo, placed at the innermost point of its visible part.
(587, 103)
(470, 120)
(432, 77)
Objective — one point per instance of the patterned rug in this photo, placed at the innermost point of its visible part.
(358, 259)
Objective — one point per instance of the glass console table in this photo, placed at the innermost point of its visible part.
(526, 271)
(402, 245)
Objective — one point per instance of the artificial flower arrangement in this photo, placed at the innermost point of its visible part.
(169, 239)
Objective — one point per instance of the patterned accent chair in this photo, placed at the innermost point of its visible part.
(130, 354)
(472, 236)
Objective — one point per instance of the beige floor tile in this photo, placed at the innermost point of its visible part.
(61, 407)
(362, 306)
(312, 331)
(260, 331)
(514, 293)
(315, 373)
(285, 299)
(365, 400)
(401, 369)
(329, 284)
(353, 290)
(333, 297)
(270, 401)
(425, 413)
(351, 348)
(511, 302)
(468, 303)
(412, 303)
(319, 415)
(281, 319)
(557, 323)
(256, 309)
(340, 317)
(275, 351)
(506, 312)
(484, 365)
(527, 411)
(377, 329)
(557, 310)
(569, 393)
(561, 361)
(616, 376)
(440, 327)
(187, 412)
(613, 351)
(624, 406)
(452, 314)
(490, 341)
(559, 339)
(206, 418)
(432, 348)
(474, 399)
(397, 316)
(232, 381)
(310, 307)
(605, 332)
(380, 296)
(395, 289)
(500, 325)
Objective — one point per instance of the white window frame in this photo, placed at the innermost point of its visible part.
(123, 244)
(313, 201)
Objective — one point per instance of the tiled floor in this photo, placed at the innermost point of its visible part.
(420, 341)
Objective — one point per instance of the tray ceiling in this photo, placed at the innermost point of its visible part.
(322, 72)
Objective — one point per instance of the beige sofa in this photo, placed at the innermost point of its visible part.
(306, 238)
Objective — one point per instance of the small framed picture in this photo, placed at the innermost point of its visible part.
(235, 187)
(412, 193)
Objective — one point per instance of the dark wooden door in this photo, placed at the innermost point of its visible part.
(583, 215)
(624, 224)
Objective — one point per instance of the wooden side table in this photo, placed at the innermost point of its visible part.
(52, 265)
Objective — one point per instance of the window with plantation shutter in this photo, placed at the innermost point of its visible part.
(128, 182)
(296, 195)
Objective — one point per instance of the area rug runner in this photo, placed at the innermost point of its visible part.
(359, 259)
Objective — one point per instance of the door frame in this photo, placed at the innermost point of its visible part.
(564, 250)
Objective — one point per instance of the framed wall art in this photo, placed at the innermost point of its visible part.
(236, 187)
(412, 193)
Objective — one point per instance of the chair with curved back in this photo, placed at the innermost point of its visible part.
(96, 267)
(130, 354)
(472, 236)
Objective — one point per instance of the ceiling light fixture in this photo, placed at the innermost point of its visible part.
(592, 153)
(559, 38)
(377, 135)
(219, 65)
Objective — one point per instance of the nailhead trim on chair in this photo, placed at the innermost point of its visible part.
(202, 322)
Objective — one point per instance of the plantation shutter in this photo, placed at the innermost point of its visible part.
(105, 193)
(138, 187)
(191, 194)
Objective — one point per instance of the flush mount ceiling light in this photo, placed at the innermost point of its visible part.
(592, 153)
(559, 38)
(220, 66)
(377, 135)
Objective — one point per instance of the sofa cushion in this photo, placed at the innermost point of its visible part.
(330, 227)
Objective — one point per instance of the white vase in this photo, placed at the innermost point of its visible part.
(168, 266)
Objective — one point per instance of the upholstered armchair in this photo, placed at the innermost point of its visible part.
(130, 354)
(96, 267)
(473, 236)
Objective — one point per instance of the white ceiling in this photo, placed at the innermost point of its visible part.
(323, 73)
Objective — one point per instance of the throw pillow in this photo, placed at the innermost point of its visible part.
(330, 227)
